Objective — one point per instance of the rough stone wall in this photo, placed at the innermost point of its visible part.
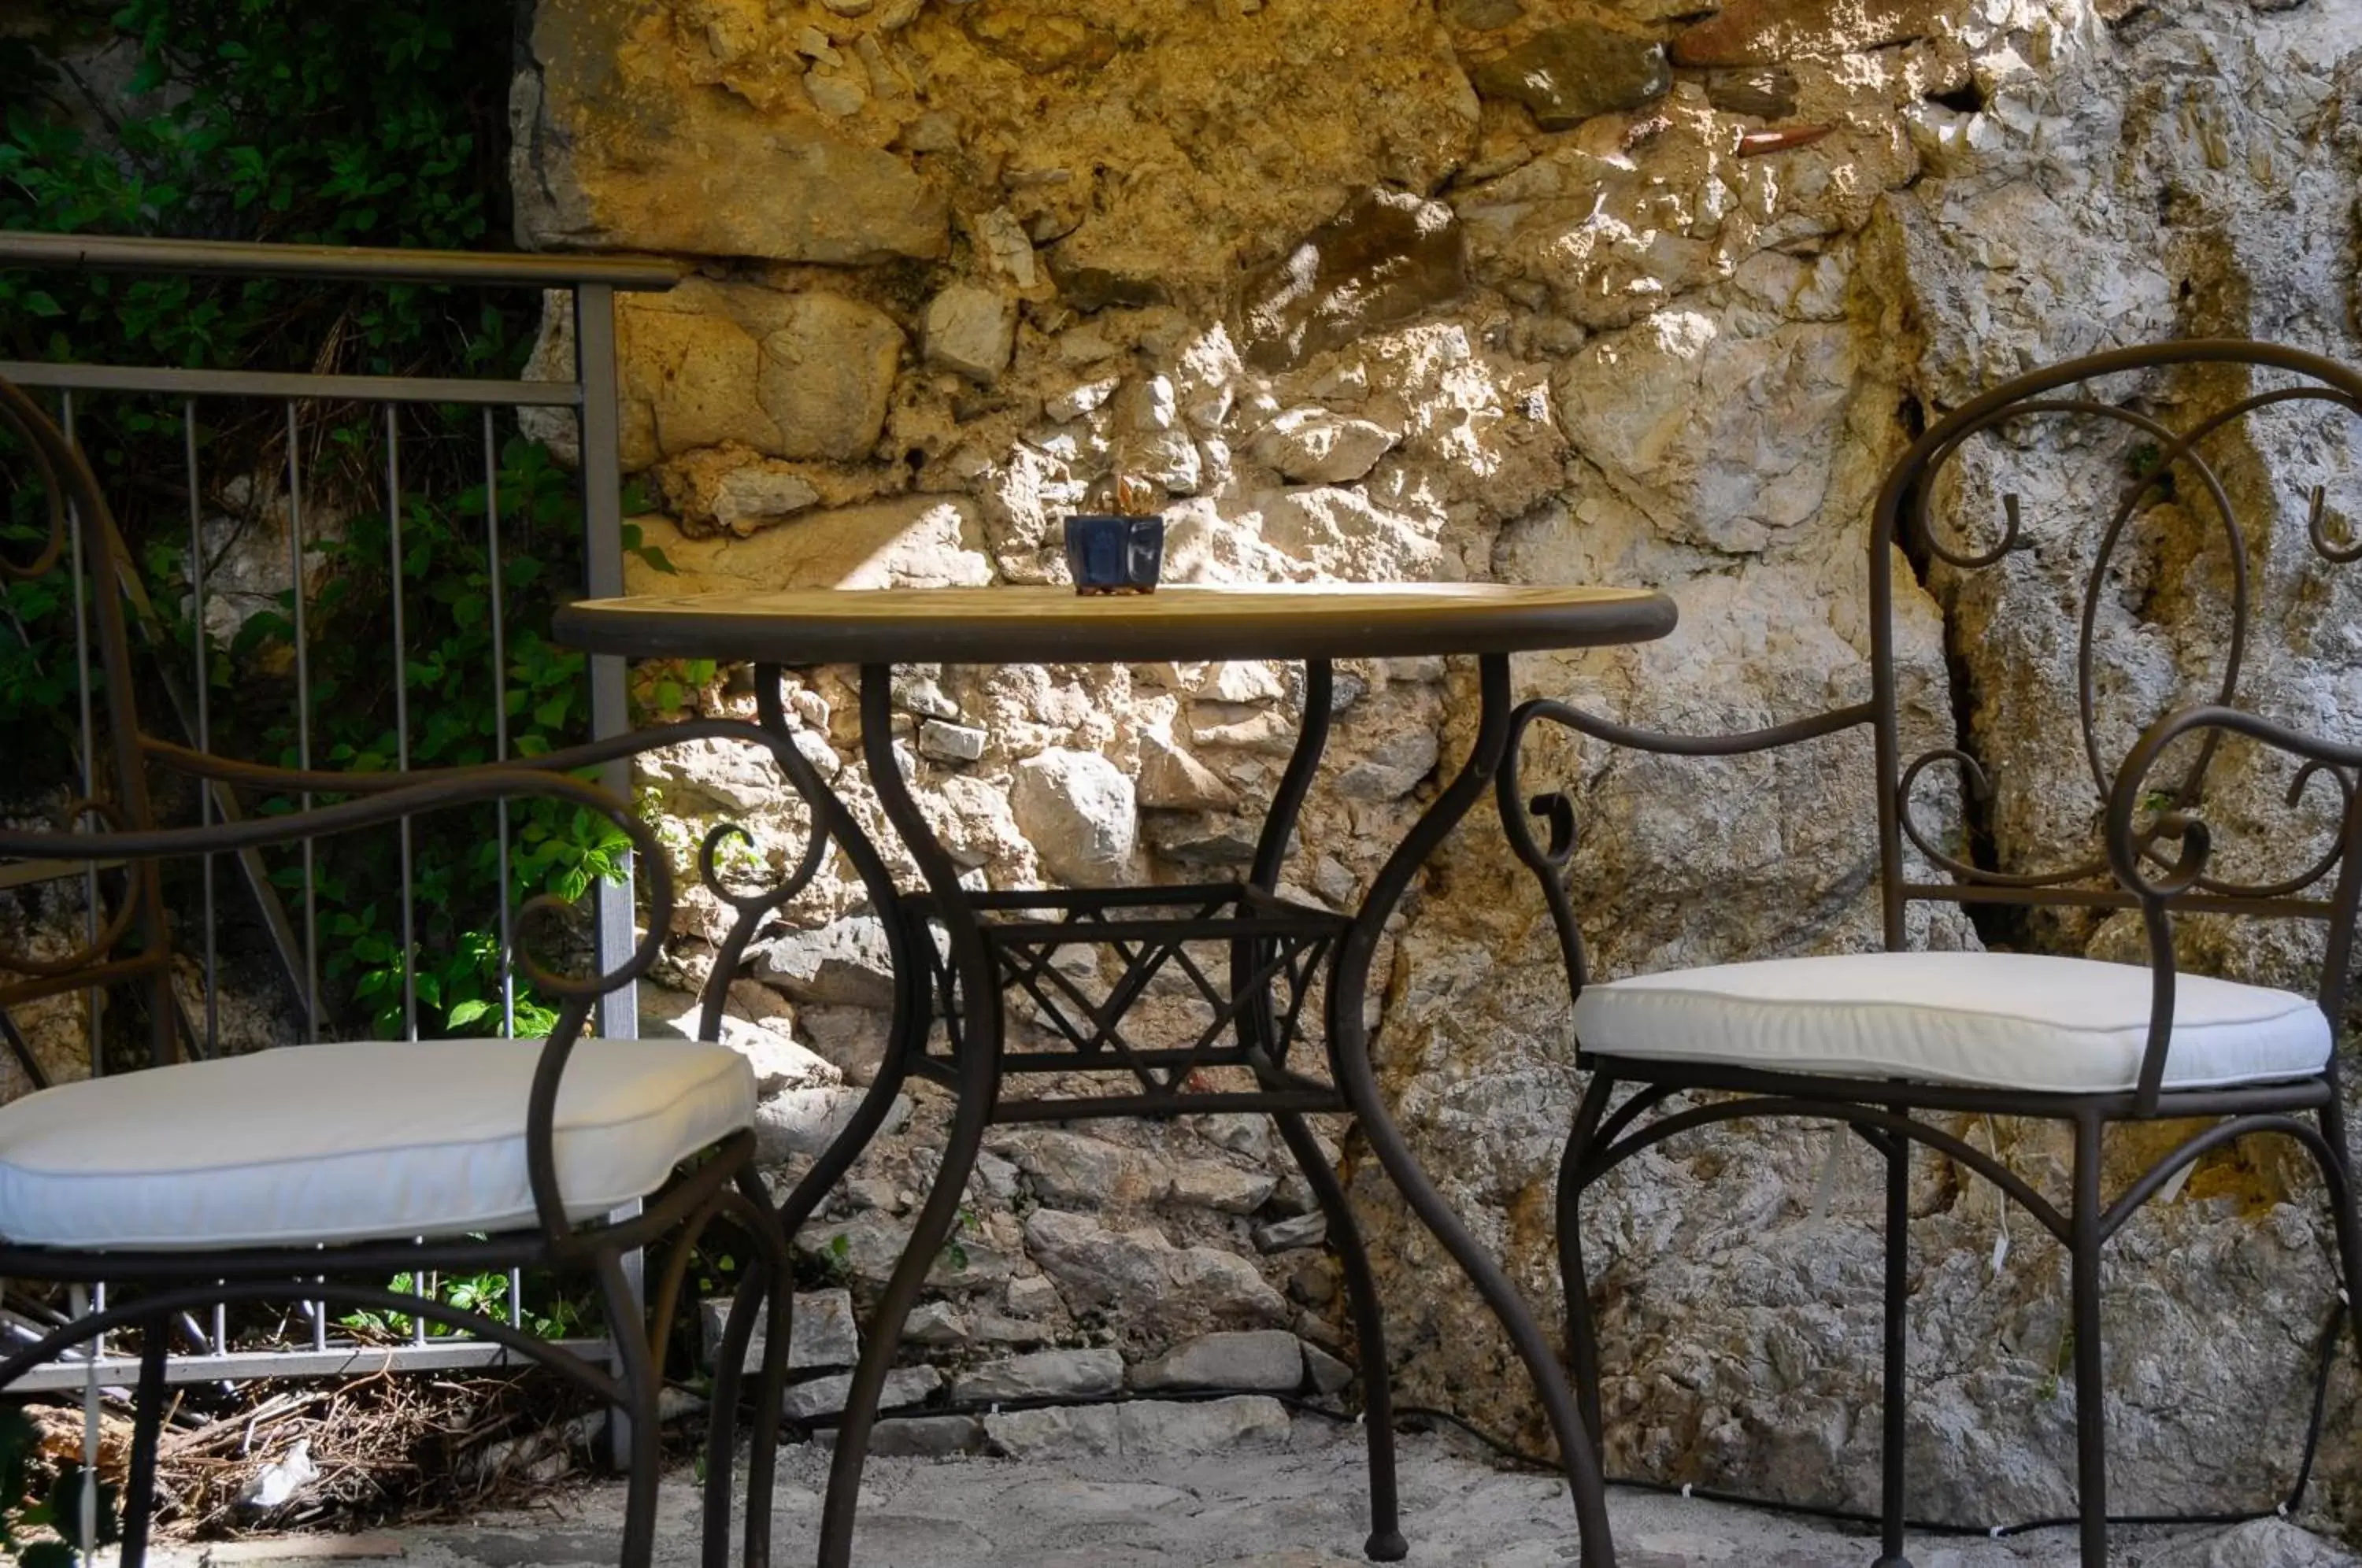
(1523, 290)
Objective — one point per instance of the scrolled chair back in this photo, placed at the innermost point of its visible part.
(2140, 554)
(78, 541)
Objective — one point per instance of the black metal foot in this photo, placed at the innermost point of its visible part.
(1891, 1563)
(1386, 1546)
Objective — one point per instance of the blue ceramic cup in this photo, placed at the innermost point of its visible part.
(1115, 555)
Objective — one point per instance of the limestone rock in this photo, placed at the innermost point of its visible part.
(822, 1336)
(1031, 1296)
(935, 1323)
(1329, 1375)
(613, 150)
(1766, 32)
(1159, 1427)
(732, 486)
(779, 1062)
(927, 1437)
(1482, 14)
(687, 373)
(1162, 1287)
(1298, 1231)
(1348, 536)
(1089, 287)
(905, 1387)
(1269, 1360)
(1768, 93)
(827, 373)
(869, 1245)
(1083, 397)
(912, 541)
(1055, 1432)
(1078, 810)
(1387, 258)
(1312, 445)
(1701, 425)
(1201, 838)
(951, 743)
(844, 964)
(923, 695)
(970, 330)
(1146, 1427)
(2259, 1543)
(1568, 74)
(1393, 767)
(1044, 1375)
(807, 1121)
(1170, 779)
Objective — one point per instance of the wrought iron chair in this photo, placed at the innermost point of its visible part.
(1890, 1042)
(314, 1173)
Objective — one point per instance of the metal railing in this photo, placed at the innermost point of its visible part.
(589, 284)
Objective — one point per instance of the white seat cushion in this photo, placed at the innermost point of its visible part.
(2001, 1019)
(353, 1141)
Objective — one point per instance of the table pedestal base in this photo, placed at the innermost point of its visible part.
(995, 943)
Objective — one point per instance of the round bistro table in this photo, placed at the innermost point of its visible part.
(957, 953)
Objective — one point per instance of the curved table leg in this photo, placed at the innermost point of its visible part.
(1350, 1051)
(978, 1042)
(907, 1034)
(1386, 1543)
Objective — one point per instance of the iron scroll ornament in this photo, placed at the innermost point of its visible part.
(1543, 825)
(2134, 835)
(2171, 454)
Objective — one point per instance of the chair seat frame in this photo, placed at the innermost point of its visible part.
(2157, 864)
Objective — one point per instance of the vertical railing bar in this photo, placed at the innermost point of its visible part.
(423, 1287)
(87, 1521)
(303, 721)
(402, 719)
(90, 998)
(499, 723)
(221, 1327)
(601, 472)
(516, 1299)
(602, 560)
(205, 714)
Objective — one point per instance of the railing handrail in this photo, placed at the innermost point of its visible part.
(222, 258)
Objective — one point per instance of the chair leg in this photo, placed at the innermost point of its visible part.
(721, 1409)
(1385, 1542)
(1582, 1335)
(2090, 1413)
(147, 1421)
(635, 1365)
(1893, 1491)
(2337, 1175)
(770, 1388)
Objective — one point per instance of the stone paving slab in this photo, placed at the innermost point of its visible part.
(1301, 1507)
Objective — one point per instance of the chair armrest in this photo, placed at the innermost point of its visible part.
(403, 795)
(1548, 861)
(2156, 883)
(826, 828)
(591, 754)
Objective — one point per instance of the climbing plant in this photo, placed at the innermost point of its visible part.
(344, 122)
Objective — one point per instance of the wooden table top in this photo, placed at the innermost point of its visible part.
(1057, 625)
